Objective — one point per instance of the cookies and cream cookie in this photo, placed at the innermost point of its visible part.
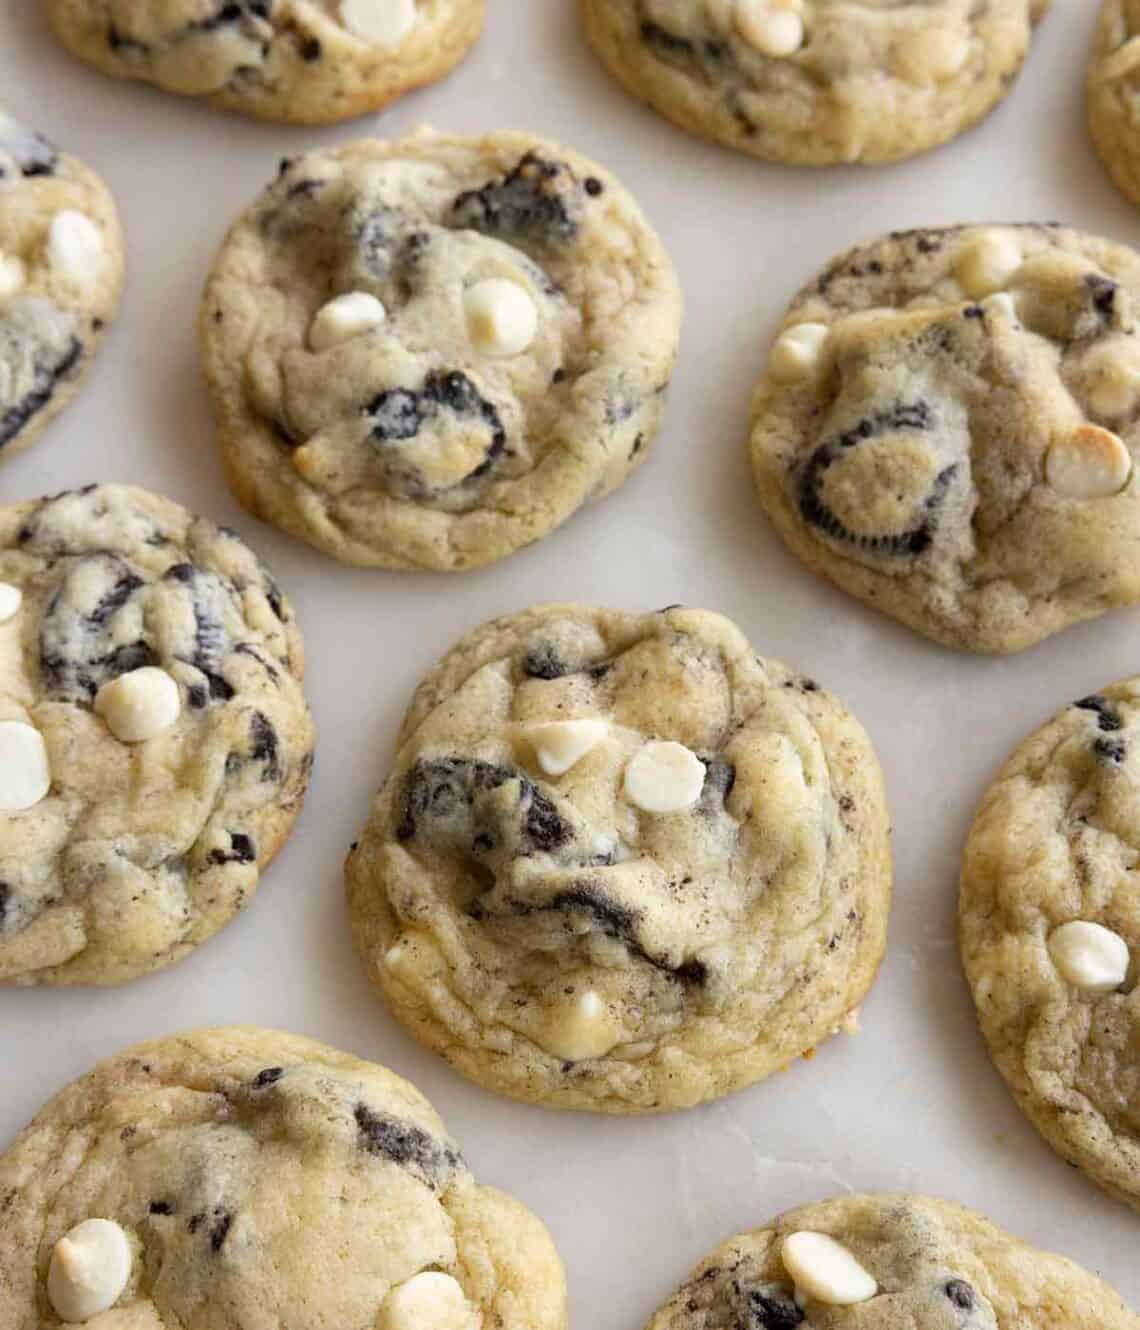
(894, 1262)
(1114, 93)
(430, 353)
(304, 61)
(816, 82)
(1050, 932)
(155, 745)
(256, 1180)
(61, 273)
(621, 862)
(947, 427)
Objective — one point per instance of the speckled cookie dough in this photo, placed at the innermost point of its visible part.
(430, 353)
(816, 82)
(1050, 932)
(155, 745)
(1114, 93)
(302, 61)
(892, 1262)
(61, 274)
(621, 862)
(253, 1180)
(947, 428)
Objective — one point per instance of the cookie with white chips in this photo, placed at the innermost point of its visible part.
(253, 1180)
(1049, 919)
(621, 862)
(947, 429)
(155, 745)
(61, 275)
(894, 1262)
(815, 82)
(285, 60)
(431, 352)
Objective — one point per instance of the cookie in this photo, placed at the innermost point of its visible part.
(947, 428)
(244, 1177)
(895, 1262)
(155, 745)
(1114, 93)
(813, 82)
(430, 353)
(61, 274)
(286, 60)
(622, 863)
(1050, 932)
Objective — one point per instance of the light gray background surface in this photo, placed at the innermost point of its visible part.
(913, 1103)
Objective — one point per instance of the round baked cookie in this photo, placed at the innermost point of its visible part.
(258, 1181)
(622, 863)
(61, 274)
(307, 62)
(1050, 932)
(155, 745)
(894, 1262)
(816, 82)
(1114, 93)
(947, 428)
(429, 353)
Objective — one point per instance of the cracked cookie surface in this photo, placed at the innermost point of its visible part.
(300, 61)
(622, 863)
(1114, 93)
(934, 1266)
(61, 274)
(816, 82)
(947, 426)
(266, 1182)
(1055, 845)
(430, 353)
(136, 851)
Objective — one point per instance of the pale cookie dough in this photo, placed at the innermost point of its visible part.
(61, 274)
(253, 1180)
(1049, 919)
(430, 353)
(815, 82)
(1114, 93)
(155, 744)
(303, 61)
(892, 1262)
(621, 862)
(948, 425)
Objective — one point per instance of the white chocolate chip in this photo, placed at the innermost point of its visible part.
(11, 598)
(89, 1269)
(932, 54)
(11, 276)
(1090, 463)
(25, 775)
(1110, 377)
(584, 1029)
(1002, 305)
(502, 319)
(825, 1270)
(345, 317)
(770, 27)
(796, 352)
(428, 1301)
(139, 705)
(988, 262)
(75, 247)
(559, 744)
(1089, 956)
(379, 22)
(664, 778)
